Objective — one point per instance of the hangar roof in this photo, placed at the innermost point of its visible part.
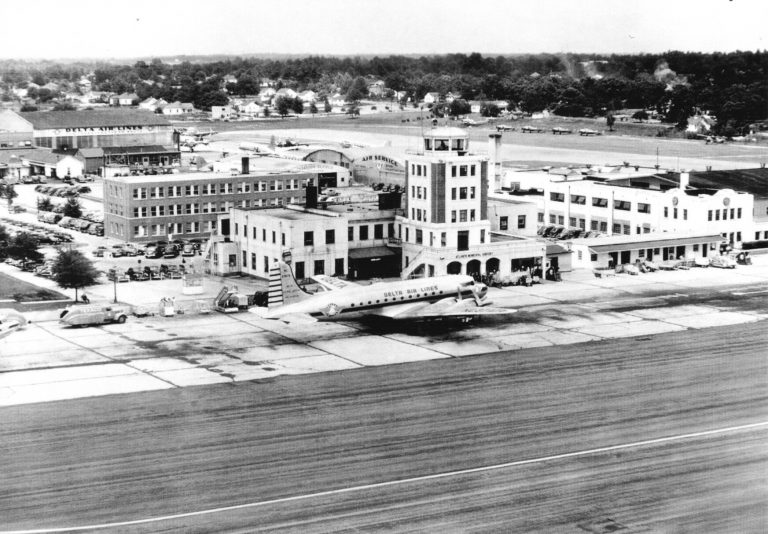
(96, 118)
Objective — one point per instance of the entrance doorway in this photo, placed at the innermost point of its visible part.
(625, 255)
(473, 268)
(463, 240)
(492, 265)
(454, 267)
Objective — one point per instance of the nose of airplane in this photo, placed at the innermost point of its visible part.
(481, 290)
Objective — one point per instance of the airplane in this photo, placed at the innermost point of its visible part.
(504, 128)
(256, 148)
(588, 131)
(560, 131)
(10, 322)
(472, 122)
(442, 297)
(531, 129)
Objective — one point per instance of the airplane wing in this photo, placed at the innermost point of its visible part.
(448, 307)
(330, 283)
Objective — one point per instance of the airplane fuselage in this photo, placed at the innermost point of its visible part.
(353, 301)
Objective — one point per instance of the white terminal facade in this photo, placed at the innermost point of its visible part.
(445, 228)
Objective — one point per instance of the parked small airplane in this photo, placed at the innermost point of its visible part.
(256, 148)
(504, 128)
(531, 129)
(560, 131)
(472, 122)
(10, 322)
(588, 131)
(442, 297)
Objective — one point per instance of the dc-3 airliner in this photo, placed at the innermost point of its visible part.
(454, 297)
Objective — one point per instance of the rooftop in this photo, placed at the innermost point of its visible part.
(754, 181)
(96, 118)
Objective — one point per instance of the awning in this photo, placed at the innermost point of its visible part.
(658, 243)
(370, 252)
(553, 248)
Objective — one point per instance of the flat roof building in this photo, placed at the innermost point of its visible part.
(146, 208)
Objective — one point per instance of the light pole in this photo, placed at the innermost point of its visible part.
(114, 282)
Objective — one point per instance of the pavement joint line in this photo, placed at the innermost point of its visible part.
(112, 360)
(403, 481)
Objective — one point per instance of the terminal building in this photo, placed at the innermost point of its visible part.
(445, 226)
(153, 207)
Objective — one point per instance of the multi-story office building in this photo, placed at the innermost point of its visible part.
(146, 208)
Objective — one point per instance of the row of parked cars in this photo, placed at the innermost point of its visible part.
(39, 268)
(43, 234)
(153, 250)
(147, 273)
(557, 231)
(81, 225)
(388, 188)
(62, 191)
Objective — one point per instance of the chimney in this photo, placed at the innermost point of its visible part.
(245, 163)
(311, 202)
(684, 180)
(494, 167)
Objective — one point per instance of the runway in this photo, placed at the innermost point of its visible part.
(657, 434)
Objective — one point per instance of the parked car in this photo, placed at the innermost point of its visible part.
(722, 262)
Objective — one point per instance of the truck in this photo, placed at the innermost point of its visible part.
(93, 315)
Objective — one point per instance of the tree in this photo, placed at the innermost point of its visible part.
(64, 106)
(24, 247)
(489, 110)
(72, 208)
(312, 108)
(283, 106)
(8, 192)
(297, 105)
(72, 270)
(4, 239)
(266, 112)
(641, 115)
(358, 90)
(29, 107)
(327, 106)
(44, 204)
(458, 107)
(610, 120)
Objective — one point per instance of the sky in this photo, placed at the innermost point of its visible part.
(51, 29)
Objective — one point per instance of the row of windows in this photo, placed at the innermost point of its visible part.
(309, 236)
(205, 207)
(504, 222)
(463, 170)
(462, 215)
(734, 212)
(624, 205)
(418, 170)
(419, 235)
(463, 193)
(222, 188)
(163, 230)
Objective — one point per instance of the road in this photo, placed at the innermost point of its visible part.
(652, 434)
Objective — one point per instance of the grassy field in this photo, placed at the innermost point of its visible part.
(24, 293)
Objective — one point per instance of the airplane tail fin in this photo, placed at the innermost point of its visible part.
(283, 288)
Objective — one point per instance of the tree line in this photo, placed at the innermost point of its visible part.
(733, 86)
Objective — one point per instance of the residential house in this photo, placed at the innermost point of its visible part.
(432, 98)
(266, 95)
(253, 109)
(221, 112)
(178, 108)
(286, 92)
(125, 99)
(450, 97)
(308, 96)
(376, 89)
(701, 124)
(338, 100)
